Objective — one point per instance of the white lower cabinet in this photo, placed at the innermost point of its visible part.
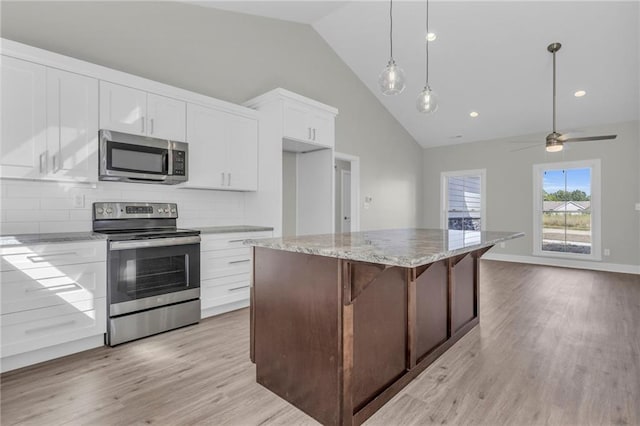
(53, 301)
(225, 271)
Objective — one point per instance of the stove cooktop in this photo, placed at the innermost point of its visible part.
(146, 234)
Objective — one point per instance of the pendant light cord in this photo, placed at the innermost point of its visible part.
(391, 29)
(426, 77)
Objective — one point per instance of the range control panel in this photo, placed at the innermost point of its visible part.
(125, 210)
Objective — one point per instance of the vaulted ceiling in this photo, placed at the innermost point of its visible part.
(489, 57)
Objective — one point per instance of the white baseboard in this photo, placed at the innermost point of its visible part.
(218, 310)
(565, 263)
(45, 354)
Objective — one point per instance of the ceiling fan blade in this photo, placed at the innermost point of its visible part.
(590, 138)
(537, 145)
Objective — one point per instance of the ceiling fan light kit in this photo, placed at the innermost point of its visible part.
(391, 79)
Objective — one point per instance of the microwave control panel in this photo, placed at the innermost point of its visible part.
(179, 163)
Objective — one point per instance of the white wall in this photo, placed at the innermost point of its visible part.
(32, 207)
(235, 57)
(509, 188)
(289, 194)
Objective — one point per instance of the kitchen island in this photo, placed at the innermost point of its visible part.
(340, 323)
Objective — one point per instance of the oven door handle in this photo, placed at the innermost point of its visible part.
(157, 242)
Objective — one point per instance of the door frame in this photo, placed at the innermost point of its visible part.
(355, 187)
(343, 173)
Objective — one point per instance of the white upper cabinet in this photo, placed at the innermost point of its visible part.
(167, 117)
(123, 109)
(72, 126)
(134, 111)
(308, 124)
(242, 151)
(24, 140)
(207, 153)
(223, 150)
(49, 123)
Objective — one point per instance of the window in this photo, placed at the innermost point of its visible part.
(567, 209)
(463, 200)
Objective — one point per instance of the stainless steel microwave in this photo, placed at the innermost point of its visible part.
(141, 159)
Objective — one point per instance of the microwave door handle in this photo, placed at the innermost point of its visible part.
(169, 163)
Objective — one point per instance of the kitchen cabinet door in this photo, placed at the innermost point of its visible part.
(207, 148)
(296, 122)
(23, 115)
(242, 140)
(123, 109)
(167, 118)
(72, 126)
(322, 128)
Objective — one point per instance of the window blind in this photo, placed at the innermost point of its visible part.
(464, 202)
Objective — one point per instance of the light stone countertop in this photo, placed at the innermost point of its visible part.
(231, 229)
(49, 237)
(395, 247)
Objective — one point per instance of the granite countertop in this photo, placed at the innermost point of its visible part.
(231, 229)
(22, 239)
(49, 237)
(395, 247)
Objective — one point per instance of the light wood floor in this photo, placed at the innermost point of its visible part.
(554, 346)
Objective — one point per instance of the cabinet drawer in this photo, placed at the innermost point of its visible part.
(239, 279)
(42, 287)
(227, 241)
(222, 294)
(214, 266)
(39, 328)
(52, 255)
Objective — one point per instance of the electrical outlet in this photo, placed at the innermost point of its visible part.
(607, 252)
(78, 201)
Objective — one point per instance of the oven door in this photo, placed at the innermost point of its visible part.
(144, 274)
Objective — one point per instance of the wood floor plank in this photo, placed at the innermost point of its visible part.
(554, 346)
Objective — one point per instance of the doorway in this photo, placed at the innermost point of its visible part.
(347, 192)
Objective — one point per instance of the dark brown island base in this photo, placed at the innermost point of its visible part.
(341, 323)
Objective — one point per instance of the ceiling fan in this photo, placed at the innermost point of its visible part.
(555, 141)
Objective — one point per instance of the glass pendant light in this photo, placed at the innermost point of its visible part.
(427, 101)
(391, 79)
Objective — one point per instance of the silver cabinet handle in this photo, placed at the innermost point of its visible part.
(54, 287)
(55, 163)
(49, 327)
(314, 134)
(42, 162)
(151, 126)
(309, 132)
(222, 176)
(236, 241)
(142, 123)
(159, 242)
(228, 179)
(233, 262)
(238, 288)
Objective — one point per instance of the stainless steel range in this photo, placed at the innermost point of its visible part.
(153, 269)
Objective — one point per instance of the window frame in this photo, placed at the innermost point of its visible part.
(444, 195)
(596, 212)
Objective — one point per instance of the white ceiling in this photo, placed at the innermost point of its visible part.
(302, 11)
(489, 57)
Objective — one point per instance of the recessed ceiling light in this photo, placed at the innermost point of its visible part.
(473, 114)
(579, 93)
(431, 36)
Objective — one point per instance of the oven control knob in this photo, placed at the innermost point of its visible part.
(166, 210)
(109, 210)
(99, 210)
(160, 210)
(173, 210)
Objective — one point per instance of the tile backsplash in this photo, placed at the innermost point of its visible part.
(40, 206)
